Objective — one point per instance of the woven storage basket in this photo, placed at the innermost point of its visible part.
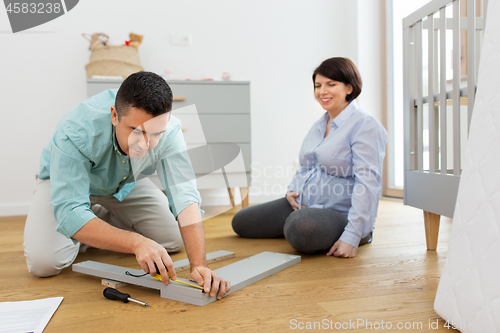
(114, 61)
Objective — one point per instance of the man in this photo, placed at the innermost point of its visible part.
(89, 192)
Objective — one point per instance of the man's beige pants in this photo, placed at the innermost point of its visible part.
(144, 210)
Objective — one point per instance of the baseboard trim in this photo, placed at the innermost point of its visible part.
(14, 209)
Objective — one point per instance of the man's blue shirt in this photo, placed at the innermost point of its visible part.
(83, 160)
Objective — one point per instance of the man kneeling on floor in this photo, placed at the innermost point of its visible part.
(89, 193)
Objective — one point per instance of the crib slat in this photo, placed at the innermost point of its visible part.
(418, 73)
(409, 117)
(471, 60)
(430, 96)
(442, 90)
(456, 87)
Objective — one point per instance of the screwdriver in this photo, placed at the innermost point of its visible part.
(112, 293)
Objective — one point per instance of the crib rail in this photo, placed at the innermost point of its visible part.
(436, 126)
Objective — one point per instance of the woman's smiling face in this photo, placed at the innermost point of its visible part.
(331, 94)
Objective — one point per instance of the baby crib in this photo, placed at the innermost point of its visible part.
(437, 106)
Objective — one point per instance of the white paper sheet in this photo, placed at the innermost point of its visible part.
(27, 316)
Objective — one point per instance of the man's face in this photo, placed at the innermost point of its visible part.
(138, 132)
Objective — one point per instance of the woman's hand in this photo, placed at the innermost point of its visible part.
(208, 279)
(341, 249)
(292, 199)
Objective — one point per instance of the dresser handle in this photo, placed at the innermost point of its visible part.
(183, 129)
(179, 99)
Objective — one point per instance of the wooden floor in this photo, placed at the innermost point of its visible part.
(391, 281)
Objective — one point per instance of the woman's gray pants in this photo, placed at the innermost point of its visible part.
(308, 230)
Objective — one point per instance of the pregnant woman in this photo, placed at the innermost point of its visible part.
(332, 201)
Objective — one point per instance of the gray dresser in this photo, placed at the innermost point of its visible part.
(223, 109)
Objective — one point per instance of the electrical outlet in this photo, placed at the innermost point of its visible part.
(181, 40)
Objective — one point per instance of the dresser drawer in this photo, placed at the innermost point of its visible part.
(95, 86)
(213, 98)
(216, 128)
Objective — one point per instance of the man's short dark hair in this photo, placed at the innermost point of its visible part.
(144, 90)
(341, 70)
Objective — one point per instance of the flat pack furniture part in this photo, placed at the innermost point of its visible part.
(180, 265)
(240, 274)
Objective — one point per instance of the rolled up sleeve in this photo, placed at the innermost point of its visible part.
(70, 183)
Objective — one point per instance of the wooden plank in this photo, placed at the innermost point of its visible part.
(113, 283)
(240, 274)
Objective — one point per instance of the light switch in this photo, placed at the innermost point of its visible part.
(181, 40)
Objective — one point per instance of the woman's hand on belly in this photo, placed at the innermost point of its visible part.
(292, 199)
(341, 249)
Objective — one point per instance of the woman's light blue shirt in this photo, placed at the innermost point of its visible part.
(343, 171)
(83, 160)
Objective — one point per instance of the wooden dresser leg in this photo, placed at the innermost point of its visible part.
(230, 191)
(431, 221)
(244, 196)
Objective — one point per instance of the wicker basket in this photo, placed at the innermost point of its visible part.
(114, 61)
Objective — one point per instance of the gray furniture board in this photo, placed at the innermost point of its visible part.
(240, 274)
(179, 265)
(182, 265)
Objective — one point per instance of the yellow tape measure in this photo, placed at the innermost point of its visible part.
(158, 277)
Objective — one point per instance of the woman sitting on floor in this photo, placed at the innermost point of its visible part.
(332, 201)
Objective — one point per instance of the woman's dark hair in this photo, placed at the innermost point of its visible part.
(144, 90)
(341, 70)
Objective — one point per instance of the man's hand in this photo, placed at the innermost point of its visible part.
(193, 235)
(341, 249)
(292, 199)
(149, 253)
(211, 282)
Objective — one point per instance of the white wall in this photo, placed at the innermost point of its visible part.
(274, 44)
(371, 60)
